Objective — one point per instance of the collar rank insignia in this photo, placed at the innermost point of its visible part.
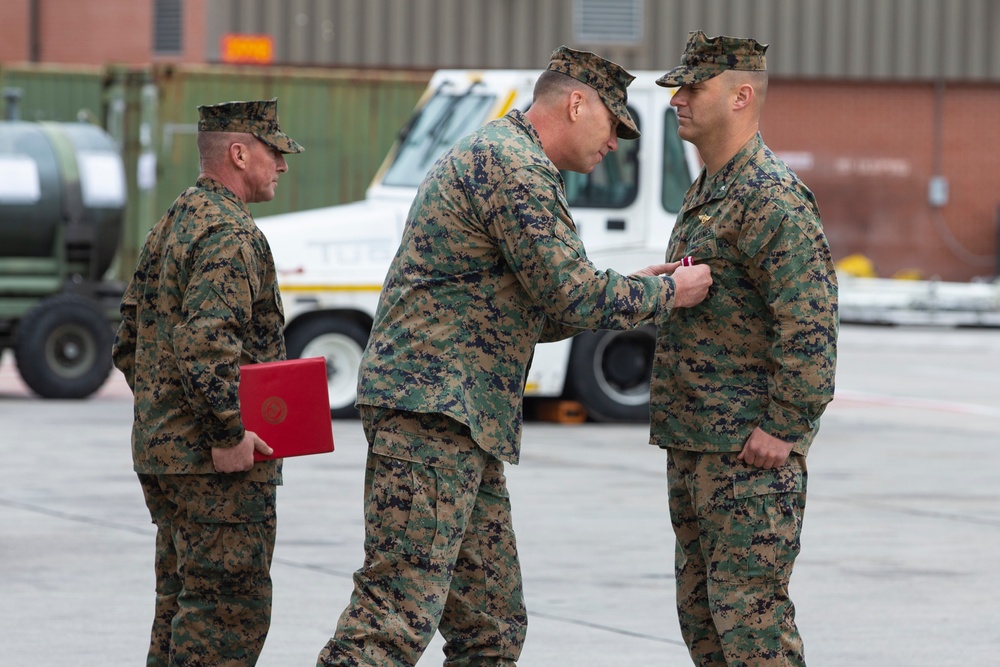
(704, 218)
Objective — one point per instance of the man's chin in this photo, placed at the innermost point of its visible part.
(263, 197)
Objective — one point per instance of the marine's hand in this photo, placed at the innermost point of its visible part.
(691, 284)
(763, 450)
(240, 457)
(656, 270)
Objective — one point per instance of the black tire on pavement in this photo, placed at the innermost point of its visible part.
(63, 347)
(609, 373)
(342, 341)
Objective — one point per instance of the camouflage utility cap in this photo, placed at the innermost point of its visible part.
(607, 78)
(258, 117)
(706, 57)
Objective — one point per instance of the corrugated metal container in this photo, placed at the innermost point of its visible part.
(345, 119)
(60, 93)
(836, 39)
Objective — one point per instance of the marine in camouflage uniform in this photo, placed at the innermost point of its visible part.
(203, 301)
(755, 359)
(489, 265)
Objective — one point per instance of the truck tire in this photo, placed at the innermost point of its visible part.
(609, 373)
(341, 341)
(63, 347)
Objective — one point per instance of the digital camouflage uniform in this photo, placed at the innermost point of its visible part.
(760, 350)
(203, 301)
(489, 265)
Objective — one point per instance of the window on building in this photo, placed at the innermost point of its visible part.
(168, 27)
(608, 21)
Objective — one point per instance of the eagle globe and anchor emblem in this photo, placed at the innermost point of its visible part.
(273, 410)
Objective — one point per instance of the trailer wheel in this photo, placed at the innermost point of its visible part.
(63, 347)
(341, 341)
(609, 373)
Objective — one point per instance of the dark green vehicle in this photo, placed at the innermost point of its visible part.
(62, 200)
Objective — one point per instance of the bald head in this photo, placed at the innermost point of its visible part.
(756, 79)
(213, 147)
(553, 86)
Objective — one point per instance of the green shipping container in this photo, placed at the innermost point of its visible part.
(345, 119)
(62, 93)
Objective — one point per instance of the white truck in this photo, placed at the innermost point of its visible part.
(332, 261)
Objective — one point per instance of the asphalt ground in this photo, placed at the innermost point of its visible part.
(901, 548)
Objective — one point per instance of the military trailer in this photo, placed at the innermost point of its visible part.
(62, 201)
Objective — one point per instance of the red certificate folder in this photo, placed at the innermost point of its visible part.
(287, 404)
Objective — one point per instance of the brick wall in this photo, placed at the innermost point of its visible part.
(868, 152)
(95, 33)
(14, 34)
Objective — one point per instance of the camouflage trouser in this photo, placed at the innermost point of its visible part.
(439, 551)
(737, 531)
(214, 542)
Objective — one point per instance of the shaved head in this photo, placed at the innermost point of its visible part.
(554, 85)
(757, 79)
(213, 146)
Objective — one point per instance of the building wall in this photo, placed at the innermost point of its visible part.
(868, 151)
(93, 33)
(15, 18)
(114, 33)
(831, 39)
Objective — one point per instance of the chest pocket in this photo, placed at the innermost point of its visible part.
(696, 239)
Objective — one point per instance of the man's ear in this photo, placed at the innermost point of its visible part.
(744, 95)
(238, 154)
(576, 102)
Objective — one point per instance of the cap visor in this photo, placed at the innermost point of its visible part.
(627, 130)
(683, 75)
(281, 142)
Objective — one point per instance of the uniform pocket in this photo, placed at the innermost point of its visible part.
(414, 477)
(703, 246)
(700, 243)
(570, 239)
(227, 541)
(765, 524)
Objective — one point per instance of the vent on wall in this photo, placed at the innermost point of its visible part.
(608, 21)
(168, 27)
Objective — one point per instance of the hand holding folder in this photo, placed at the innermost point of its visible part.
(287, 404)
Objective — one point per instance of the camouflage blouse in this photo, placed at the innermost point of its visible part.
(203, 300)
(761, 349)
(490, 264)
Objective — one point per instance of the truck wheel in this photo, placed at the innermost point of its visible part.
(63, 347)
(342, 342)
(609, 373)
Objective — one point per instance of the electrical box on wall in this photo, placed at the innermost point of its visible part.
(937, 191)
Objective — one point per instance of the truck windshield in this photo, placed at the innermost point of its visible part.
(446, 118)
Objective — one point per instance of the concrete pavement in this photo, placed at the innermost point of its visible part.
(900, 548)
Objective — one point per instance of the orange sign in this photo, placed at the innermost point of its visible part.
(255, 49)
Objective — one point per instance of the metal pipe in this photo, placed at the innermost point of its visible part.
(12, 102)
(35, 31)
(996, 249)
